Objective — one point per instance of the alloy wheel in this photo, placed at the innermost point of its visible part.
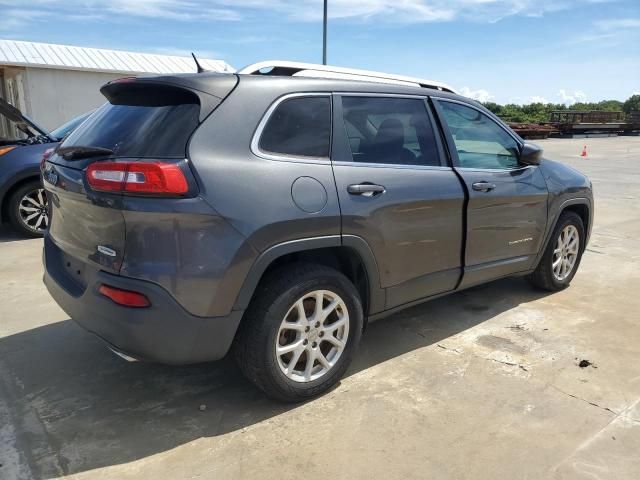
(565, 254)
(312, 336)
(32, 210)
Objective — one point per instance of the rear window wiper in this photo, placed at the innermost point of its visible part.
(82, 151)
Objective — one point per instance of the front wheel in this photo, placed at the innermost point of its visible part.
(562, 256)
(300, 332)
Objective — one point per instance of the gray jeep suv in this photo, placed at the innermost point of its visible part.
(273, 215)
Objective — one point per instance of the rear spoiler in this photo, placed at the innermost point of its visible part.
(208, 88)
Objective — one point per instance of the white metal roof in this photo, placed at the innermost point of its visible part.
(46, 55)
(299, 69)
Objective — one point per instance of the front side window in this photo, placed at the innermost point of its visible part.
(300, 127)
(389, 130)
(480, 141)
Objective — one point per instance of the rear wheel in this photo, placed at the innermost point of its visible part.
(300, 332)
(28, 209)
(562, 256)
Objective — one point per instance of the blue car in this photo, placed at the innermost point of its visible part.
(23, 201)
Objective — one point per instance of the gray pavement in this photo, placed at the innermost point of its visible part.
(483, 384)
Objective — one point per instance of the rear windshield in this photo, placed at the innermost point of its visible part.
(139, 130)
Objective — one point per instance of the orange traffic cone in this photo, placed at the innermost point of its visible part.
(584, 152)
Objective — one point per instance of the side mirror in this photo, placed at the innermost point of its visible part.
(530, 154)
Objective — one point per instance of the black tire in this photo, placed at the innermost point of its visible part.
(15, 219)
(254, 346)
(543, 276)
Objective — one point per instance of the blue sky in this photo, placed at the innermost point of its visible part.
(500, 50)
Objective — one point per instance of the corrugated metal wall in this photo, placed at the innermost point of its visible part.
(54, 83)
(53, 97)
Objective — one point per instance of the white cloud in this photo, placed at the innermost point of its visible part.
(406, 11)
(527, 100)
(608, 38)
(617, 23)
(402, 10)
(479, 95)
(170, 9)
(410, 11)
(609, 32)
(116, 10)
(537, 99)
(569, 98)
(14, 19)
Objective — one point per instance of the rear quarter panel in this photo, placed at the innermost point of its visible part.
(189, 249)
(252, 193)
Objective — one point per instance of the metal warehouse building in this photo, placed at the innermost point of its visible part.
(54, 83)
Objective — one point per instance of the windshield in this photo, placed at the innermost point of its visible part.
(60, 132)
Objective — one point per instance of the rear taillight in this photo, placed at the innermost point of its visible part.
(126, 298)
(153, 178)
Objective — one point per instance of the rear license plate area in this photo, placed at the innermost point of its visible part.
(75, 270)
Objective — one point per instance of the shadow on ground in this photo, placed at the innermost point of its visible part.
(9, 235)
(77, 407)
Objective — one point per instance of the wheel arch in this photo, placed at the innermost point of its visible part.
(583, 207)
(350, 255)
(583, 210)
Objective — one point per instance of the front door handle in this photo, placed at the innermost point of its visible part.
(365, 189)
(483, 186)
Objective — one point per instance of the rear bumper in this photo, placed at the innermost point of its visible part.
(163, 333)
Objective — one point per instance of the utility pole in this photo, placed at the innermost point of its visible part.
(324, 35)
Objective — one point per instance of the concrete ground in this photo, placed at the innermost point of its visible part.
(483, 384)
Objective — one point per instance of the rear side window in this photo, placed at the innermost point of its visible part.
(389, 130)
(300, 127)
(139, 127)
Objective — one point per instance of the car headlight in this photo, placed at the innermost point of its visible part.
(4, 150)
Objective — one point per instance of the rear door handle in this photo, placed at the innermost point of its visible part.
(483, 186)
(365, 189)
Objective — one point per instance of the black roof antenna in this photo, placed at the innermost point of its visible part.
(198, 66)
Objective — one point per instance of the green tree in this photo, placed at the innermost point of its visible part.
(493, 107)
(610, 105)
(632, 104)
(540, 112)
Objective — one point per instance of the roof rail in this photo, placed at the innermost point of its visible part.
(297, 69)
